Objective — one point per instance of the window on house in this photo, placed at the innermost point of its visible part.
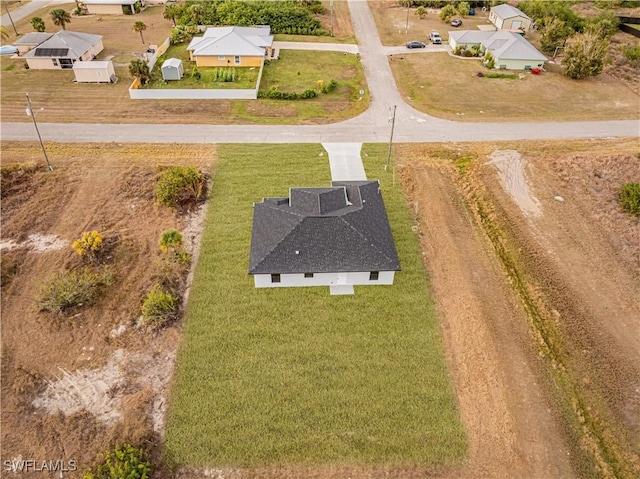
(275, 278)
(220, 57)
(373, 276)
(308, 275)
(236, 59)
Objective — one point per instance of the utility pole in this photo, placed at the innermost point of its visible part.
(406, 26)
(10, 19)
(393, 124)
(32, 114)
(331, 7)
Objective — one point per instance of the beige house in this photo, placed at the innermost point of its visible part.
(232, 46)
(113, 7)
(30, 41)
(509, 50)
(506, 17)
(61, 50)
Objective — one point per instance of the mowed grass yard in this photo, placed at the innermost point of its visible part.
(290, 377)
(448, 87)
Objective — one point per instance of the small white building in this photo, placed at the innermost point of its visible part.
(337, 237)
(94, 72)
(172, 69)
(506, 17)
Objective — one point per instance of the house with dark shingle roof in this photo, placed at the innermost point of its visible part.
(61, 50)
(337, 236)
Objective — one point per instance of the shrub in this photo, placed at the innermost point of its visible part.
(88, 245)
(448, 12)
(179, 185)
(489, 61)
(630, 198)
(632, 54)
(124, 462)
(72, 288)
(171, 243)
(159, 306)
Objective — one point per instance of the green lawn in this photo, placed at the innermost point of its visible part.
(294, 376)
(246, 78)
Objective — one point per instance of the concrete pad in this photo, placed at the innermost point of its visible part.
(340, 289)
(345, 161)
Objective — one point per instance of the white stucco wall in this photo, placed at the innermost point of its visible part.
(322, 279)
(517, 64)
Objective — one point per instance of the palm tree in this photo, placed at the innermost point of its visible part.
(139, 27)
(38, 24)
(171, 12)
(140, 70)
(60, 17)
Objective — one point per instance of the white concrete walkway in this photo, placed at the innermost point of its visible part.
(345, 161)
(317, 46)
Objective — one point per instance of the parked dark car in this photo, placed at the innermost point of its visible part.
(415, 44)
(456, 23)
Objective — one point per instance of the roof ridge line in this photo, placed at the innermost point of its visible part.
(375, 246)
(301, 219)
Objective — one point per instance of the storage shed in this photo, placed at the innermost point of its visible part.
(94, 72)
(172, 69)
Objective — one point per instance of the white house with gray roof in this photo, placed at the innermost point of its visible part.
(232, 47)
(61, 50)
(337, 236)
(506, 17)
(510, 50)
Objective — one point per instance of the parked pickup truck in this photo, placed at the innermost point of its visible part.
(434, 37)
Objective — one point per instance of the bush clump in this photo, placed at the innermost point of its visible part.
(179, 185)
(630, 198)
(88, 245)
(72, 288)
(124, 461)
(159, 307)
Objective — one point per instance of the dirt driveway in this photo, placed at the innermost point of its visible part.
(547, 377)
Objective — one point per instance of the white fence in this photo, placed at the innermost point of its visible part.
(192, 94)
(161, 49)
(137, 93)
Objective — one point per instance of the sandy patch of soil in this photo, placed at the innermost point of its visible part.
(74, 385)
(579, 263)
(511, 171)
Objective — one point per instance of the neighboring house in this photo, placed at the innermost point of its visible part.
(506, 17)
(232, 46)
(337, 236)
(113, 7)
(30, 41)
(63, 49)
(510, 50)
(94, 72)
(172, 69)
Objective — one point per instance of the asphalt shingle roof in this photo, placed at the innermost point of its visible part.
(232, 41)
(502, 44)
(507, 11)
(322, 230)
(76, 44)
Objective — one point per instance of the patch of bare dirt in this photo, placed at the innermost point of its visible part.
(75, 385)
(557, 395)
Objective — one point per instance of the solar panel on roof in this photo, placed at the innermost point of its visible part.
(51, 52)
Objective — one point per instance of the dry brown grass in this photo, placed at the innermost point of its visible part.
(391, 20)
(447, 87)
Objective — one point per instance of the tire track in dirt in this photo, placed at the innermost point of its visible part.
(503, 400)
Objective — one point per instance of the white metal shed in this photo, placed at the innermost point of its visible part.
(172, 69)
(94, 72)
